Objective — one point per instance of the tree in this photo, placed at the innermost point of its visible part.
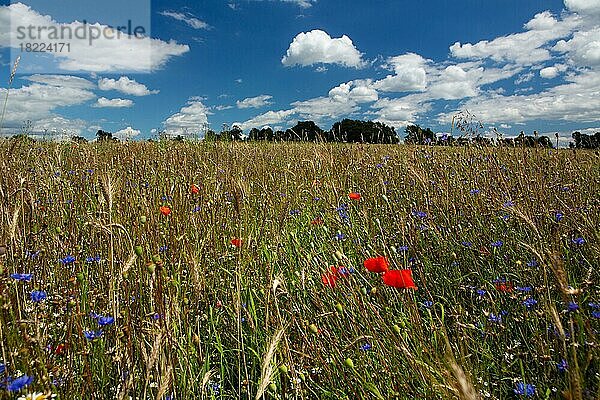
(306, 131)
(356, 131)
(416, 135)
(104, 136)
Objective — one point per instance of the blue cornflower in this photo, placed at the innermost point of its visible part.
(475, 191)
(379, 165)
(524, 289)
(562, 366)
(559, 216)
(498, 243)
(2, 368)
(525, 389)
(162, 249)
(532, 263)
(69, 259)
(38, 295)
(594, 305)
(579, 240)
(90, 260)
(103, 321)
(419, 214)
(427, 303)
(495, 318)
(14, 385)
(339, 236)
(33, 254)
(366, 347)
(596, 314)
(403, 248)
(509, 204)
(467, 244)
(572, 306)
(92, 335)
(156, 316)
(481, 292)
(22, 277)
(530, 303)
(294, 212)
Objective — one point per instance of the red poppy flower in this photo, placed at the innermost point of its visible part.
(504, 286)
(195, 189)
(60, 349)
(330, 277)
(164, 210)
(236, 242)
(317, 221)
(354, 196)
(378, 264)
(399, 279)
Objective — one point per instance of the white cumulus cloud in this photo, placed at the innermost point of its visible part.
(112, 51)
(125, 85)
(103, 102)
(127, 133)
(189, 121)
(316, 46)
(254, 102)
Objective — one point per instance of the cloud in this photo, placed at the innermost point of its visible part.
(127, 133)
(399, 112)
(62, 81)
(359, 91)
(103, 102)
(315, 47)
(583, 48)
(125, 85)
(113, 51)
(37, 102)
(268, 118)
(188, 18)
(299, 3)
(576, 100)
(524, 48)
(189, 121)
(591, 7)
(409, 74)
(254, 102)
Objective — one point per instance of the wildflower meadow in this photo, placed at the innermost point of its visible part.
(173, 270)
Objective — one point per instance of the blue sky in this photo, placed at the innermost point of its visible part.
(517, 65)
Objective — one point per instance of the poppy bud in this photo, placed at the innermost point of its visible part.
(302, 377)
(156, 258)
(151, 267)
(338, 255)
(138, 250)
(272, 387)
(384, 197)
(283, 369)
(349, 363)
(396, 329)
(373, 290)
(313, 328)
(339, 308)
(58, 230)
(72, 303)
(394, 250)
(80, 277)
(363, 290)
(143, 219)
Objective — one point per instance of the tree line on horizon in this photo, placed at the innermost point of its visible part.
(372, 132)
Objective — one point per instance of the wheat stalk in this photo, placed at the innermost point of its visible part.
(10, 81)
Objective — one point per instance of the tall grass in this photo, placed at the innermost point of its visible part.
(483, 230)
